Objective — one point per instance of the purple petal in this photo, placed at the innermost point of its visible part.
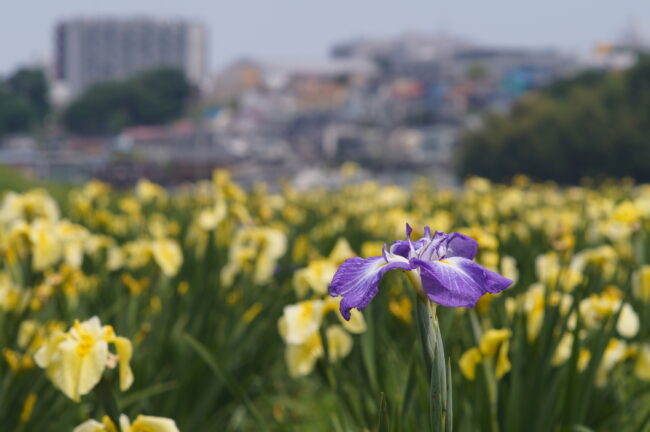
(402, 247)
(459, 245)
(457, 281)
(357, 280)
(433, 248)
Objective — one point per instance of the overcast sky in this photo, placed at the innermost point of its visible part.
(295, 29)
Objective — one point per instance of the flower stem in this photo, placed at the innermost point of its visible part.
(435, 366)
(107, 399)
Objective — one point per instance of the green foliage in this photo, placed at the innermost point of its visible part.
(31, 85)
(13, 180)
(23, 101)
(593, 125)
(152, 97)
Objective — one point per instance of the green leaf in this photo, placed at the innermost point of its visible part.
(225, 378)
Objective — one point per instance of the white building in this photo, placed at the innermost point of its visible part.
(91, 50)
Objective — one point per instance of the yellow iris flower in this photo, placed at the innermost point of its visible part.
(168, 255)
(494, 343)
(75, 361)
(142, 423)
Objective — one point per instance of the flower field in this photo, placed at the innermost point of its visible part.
(206, 308)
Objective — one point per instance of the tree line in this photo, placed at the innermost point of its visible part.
(152, 97)
(155, 96)
(24, 101)
(595, 125)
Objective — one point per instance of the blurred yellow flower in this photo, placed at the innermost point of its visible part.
(300, 320)
(301, 247)
(135, 286)
(509, 269)
(642, 365)
(316, 276)
(138, 253)
(142, 423)
(583, 359)
(468, 362)
(17, 361)
(339, 342)
(598, 307)
(370, 249)
(503, 362)
(29, 333)
(148, 191)
(258, 247)
(210, 218)
(131, 207)
(491, 340)
(628, 322)
(252, 312)
(28, 407)
(74, 238)
(168, 255)
(95, 189)
(615, 352)
(319, 272)
(302, 358)
(483, 304)
(563, 350)
(401, 308)
(47, 246)
(11, 296)
(626, 212)
(341, 251)
(116, 258)
(32, 205)
(183, 287)
(75, 360)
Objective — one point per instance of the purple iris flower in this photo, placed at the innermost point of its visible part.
(443, 262)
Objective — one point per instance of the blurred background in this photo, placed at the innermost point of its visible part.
(287, 89)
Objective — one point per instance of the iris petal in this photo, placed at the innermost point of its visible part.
(357, 280)
(458, 281)
(459, 245)
(402, 247)
(433, 248)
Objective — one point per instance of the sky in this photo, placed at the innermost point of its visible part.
(306, 29)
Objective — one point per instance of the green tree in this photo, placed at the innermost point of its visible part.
(160, 95)
(152, 97)
(31, 84)
(24, 101)
(15, 114)
(103, 108)
(594, 125)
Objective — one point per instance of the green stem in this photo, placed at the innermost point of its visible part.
(107, 399)
(435, 366)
